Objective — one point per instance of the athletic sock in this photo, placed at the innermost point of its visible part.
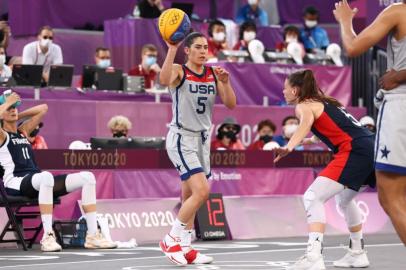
(186, 239)
(177, 229)
(47, 223)
(356, 240)
(91, 222)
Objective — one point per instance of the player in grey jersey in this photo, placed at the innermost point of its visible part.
(194, 87)
(390, 145)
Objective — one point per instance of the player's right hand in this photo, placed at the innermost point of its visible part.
(12, 98)
(173, 46)
(280, 153)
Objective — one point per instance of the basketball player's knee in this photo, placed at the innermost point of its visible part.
(203, 194)
(47, 179)
(309, 199)
(341, 203)
(88, 178)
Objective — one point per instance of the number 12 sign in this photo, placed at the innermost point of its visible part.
(211, 223)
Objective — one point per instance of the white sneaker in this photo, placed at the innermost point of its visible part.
(195, 257)
(98, 241)
(353, 258)
(170, 246)
(49, 244)
(312, 260)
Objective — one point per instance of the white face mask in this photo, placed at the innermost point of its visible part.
(104, 63)
(2, 59)
(252, 2)
(289, 130)
(310, 24)
(290, 39)
(45, 43)
(219, 36)
(248, 36)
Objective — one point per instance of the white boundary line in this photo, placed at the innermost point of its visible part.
(219, 253)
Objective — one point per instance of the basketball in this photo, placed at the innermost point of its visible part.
(174, 25)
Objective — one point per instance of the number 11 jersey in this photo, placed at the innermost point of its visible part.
(193, 100)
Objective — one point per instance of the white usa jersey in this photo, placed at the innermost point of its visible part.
(193, 100)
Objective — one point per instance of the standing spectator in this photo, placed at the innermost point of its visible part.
(217, 40)
(150, 9)
(43, 51)
(289, 127)
(226, 138)
(5, 37)
(5, 71)
(290, 34)
(313, 36)
(266, 129)
(149, 67)
(102, 57)
(119, 126)
(253, 13)
(248, 32)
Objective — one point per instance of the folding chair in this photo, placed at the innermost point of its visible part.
(13, 206)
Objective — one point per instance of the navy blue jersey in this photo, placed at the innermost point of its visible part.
(336, 127)
(17, 157)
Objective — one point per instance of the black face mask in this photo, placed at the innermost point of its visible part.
(266, 138)
(231, 135)
(119, 134)
(34, 132)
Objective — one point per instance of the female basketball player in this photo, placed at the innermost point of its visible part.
(194, 87)
(344, 176)
(390, 146)
(23, 177)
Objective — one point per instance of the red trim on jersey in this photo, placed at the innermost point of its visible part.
(207, 78)
(328, 128)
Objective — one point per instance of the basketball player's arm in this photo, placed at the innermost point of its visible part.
(357, 44)
(392, 79)
(35, 115)
(306, 117)
(225, 90)
(170, 72)
(10, 100)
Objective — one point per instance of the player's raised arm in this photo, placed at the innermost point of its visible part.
(34, 115)
(170, 72)
(10, 100)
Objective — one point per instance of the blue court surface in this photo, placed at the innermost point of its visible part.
(385, 252)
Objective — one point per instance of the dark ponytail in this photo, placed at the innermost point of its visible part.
(308, 88)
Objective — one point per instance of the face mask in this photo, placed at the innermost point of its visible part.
(252, 2)
(310, 24)
(289, 130)
(150, 60)
(248, 36)
(34, 132)
(2, 59)
(104, 63)
(119, 134)
(290, 39)
(266, 138)
(219, 36)
(45, 43)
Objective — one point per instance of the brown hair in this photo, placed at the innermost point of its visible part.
(45, 27)
(148, 47)
(266, 123)
(308, 88)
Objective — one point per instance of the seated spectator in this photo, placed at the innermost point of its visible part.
(253, 13)
(148, 67)
(226, 138)
(150, 9)
(119, 126)
(22, 177)
(313, 36)
(5, 71)
(5, 33)
(290, 34)
(102, 57)
(43, 51)
(368, 122)
(289, 127)
(266, 129)
(217, 38)
(37, 141)
(248, 32)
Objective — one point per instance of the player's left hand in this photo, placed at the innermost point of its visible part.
(222, 74)
(343, 12)
(389, 81)
(281, 152)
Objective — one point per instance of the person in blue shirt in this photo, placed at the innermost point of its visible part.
(252, 12)
(289, 127)
(313, 36)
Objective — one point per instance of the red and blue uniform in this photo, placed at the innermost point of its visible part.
(352, 144)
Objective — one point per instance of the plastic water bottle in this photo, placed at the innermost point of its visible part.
(136, 12)
(6, 94)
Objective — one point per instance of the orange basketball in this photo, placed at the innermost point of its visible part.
(174, 25)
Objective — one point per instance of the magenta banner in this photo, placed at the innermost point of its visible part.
(71, 120)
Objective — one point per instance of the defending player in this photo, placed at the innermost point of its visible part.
(390, 146)
(351, 168)
(194, 87)
(23, 177)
